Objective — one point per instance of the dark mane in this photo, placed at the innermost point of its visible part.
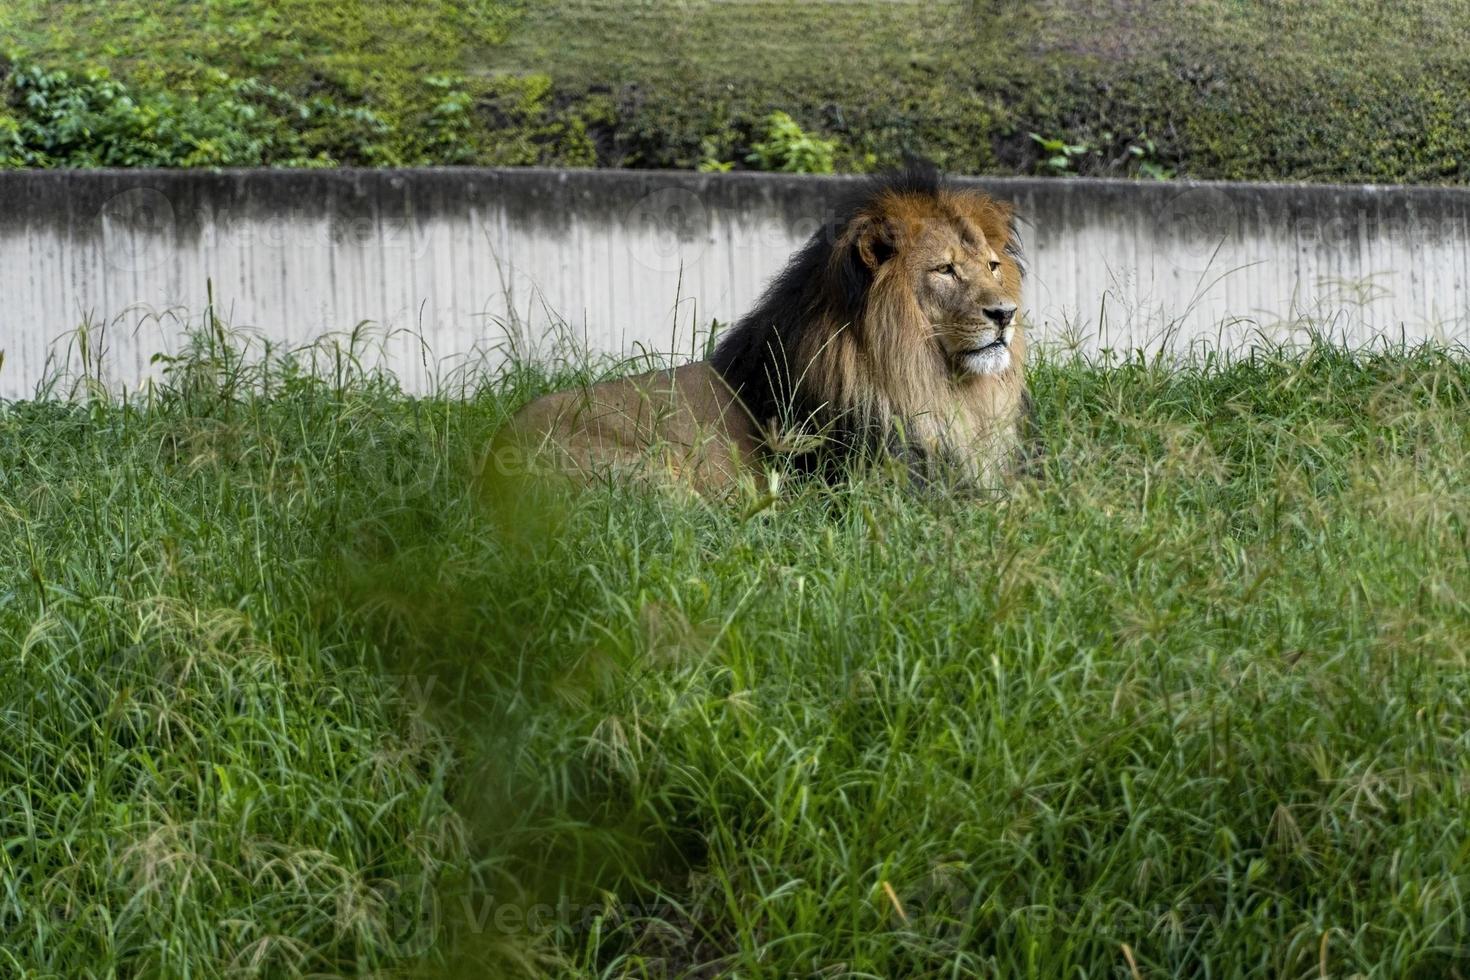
(757, 357)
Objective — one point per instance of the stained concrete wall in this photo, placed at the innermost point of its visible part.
(466, 261)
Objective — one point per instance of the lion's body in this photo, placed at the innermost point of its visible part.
(889, 333)
(679, 424)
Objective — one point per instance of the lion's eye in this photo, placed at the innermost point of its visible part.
(945, 270)
(994, 266)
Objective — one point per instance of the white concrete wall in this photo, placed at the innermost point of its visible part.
(454, 264)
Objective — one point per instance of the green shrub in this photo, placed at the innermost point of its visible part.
(790, 149)
(1057, 155)
(10, 143)
(90, 119)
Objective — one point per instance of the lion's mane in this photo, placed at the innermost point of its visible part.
(837, 360)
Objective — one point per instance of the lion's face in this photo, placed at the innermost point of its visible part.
(964, 284)
(959, 283)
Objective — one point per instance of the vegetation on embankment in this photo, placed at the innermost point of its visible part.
(1353, 90)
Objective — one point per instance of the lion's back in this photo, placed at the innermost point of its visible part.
(680, 423)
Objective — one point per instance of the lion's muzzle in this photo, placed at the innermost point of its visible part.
(1001, 314)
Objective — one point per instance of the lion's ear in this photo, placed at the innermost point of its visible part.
(997, 221)
(875, 240)
(866, 242)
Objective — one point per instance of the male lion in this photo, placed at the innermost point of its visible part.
(891, 333)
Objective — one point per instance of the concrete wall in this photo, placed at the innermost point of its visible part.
(471, 259)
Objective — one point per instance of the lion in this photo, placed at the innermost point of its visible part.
(891, 334)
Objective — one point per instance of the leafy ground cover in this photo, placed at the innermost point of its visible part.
(285, 689)
(1349, 90)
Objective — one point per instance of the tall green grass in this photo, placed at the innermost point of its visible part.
(286, 690)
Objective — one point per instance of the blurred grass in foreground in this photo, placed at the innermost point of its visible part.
(280, 694)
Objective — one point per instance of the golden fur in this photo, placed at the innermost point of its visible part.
(892, 333)
(680, 424)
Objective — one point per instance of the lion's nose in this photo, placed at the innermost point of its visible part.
(1001, 315)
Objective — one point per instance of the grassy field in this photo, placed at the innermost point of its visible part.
(283, 690)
